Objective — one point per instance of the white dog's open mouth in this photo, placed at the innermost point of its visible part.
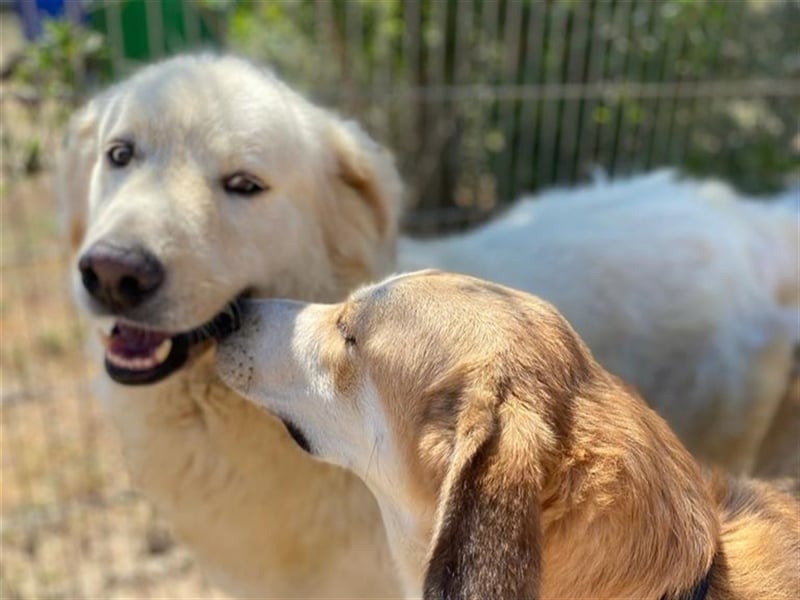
(138, 356)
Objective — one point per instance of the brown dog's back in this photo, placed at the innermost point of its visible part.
(760, 533)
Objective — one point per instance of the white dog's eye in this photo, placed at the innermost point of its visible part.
(120, 154)
(243, 184)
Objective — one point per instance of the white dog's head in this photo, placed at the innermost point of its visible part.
(201, 179)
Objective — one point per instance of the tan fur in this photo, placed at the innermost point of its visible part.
(504, 449)
(760, 535)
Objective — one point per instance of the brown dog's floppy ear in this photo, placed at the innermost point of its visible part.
(73, 173)
(487, 538)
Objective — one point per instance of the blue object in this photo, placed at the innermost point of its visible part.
(33, 12)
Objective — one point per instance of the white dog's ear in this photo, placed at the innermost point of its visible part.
(487, 539)
(369, 170)
(73, 173)
(365, 200)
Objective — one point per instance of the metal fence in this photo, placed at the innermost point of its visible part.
(481, 101)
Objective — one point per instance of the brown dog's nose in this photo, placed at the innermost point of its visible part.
(120, 278)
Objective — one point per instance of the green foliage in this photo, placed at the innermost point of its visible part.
(46, 81)
(484, 99)
(61, 63)
(320, 44)
(422, 74)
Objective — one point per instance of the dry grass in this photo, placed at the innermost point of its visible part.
(69, 526)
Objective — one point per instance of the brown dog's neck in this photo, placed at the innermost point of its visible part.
(624, 497)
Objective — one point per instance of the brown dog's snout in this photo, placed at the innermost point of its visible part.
(120, 278)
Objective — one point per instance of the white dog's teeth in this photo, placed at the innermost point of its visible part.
(163, 350)
(133, 364)
(119, 361)
(143, 363)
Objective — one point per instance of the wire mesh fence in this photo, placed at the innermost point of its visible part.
(480, 100)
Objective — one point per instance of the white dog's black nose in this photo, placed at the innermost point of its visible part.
(119, 277)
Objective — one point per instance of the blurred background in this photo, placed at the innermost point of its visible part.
(481, 100)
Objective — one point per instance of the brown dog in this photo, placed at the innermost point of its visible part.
(506, 462)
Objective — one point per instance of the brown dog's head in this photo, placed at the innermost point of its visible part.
(203, 178)
(449, 396)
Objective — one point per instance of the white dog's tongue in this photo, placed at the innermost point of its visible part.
(137, 349)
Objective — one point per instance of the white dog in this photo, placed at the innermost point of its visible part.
(202, 179)
(195, 182)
